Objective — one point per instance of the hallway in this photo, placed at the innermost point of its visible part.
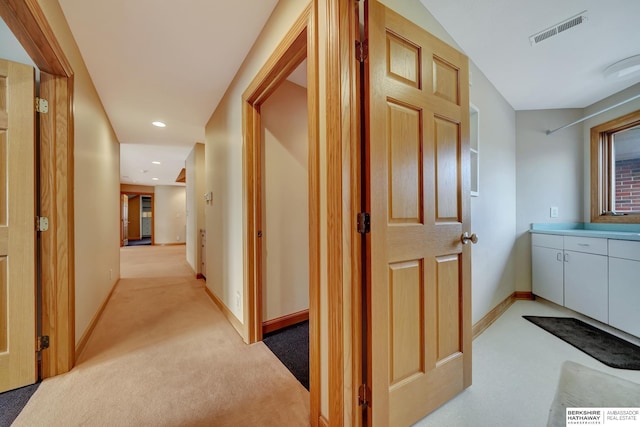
(163, 354)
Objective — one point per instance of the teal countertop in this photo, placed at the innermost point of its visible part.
(603, 231)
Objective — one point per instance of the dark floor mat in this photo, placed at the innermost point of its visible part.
(12, 402)
(599, 344)
(291, 346)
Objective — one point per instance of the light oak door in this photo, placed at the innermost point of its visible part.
(17, 226)
(124, 220)
(417, 145)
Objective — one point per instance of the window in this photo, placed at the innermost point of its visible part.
(615, 170)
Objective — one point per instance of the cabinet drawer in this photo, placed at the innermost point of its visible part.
(547, 240)
(588, 245)
(625, 249)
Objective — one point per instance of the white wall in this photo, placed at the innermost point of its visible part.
(11, 49)
(554, 170)
(224, 216)
(96, 184)
(285, 233)
(493, 213)
(549, 173)
(414, 11)
(195, 185)
(170, 214)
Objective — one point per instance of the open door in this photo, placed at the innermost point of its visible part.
(124, 220)
(417, 189)
(17, 226)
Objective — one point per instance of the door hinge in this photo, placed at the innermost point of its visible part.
(43, 343)
(364, 396)
(42, 223)
(362, 50)
(42, 105)
(364, 223)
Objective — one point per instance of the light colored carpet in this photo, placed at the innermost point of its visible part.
(582, 387)
(164, 355)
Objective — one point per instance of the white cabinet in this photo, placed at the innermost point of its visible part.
(547, 267)
(624, 285)
(598, 277)
(571, 271)
(586, 276)
(585, 284)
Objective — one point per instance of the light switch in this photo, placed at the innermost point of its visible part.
(554, 212)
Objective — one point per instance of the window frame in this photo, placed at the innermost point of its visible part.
(601, 165)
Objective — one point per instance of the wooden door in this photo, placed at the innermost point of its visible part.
(417, 152)
(17, 226)
(124, 220)
(134, 218)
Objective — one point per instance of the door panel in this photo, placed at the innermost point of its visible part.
(419, 290)
(17, 227)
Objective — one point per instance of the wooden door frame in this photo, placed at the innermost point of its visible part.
(298, 44)
(344, 201)
(28, 23)
(153, 210)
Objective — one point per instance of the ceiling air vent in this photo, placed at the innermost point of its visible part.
(565, 25)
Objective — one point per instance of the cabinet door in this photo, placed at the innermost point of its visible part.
(547, 274)
(585, 284)
(624, 295)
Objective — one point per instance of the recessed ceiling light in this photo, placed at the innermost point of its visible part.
(159, 124)
(155, 179)
(623, 68)
(156, 162)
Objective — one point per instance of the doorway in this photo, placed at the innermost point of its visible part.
(137, 223)
(298, 44)
(284, 195)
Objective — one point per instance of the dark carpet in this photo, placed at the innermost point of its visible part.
(601, 345)
(142, 242)
(291, 346)
(12, 402)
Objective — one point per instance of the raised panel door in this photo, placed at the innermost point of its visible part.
(417, 186)
(17, 228)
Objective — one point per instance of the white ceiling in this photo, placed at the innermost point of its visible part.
(564, 71)
(151, 60)
(162, 60)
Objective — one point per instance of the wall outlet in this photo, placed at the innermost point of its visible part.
(177, 238)
(111, 274)
(553, 212)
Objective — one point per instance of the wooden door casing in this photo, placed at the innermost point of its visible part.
(29, 24)
(419, 289)
(17, 228)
